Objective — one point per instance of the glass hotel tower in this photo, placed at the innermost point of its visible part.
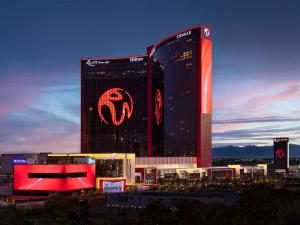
(162, 102)
(113, 109)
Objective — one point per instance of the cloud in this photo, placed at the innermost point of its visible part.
(255, 112)
(36, 131)
(255, 131)
(39, 115)
(19, 91)
(242, 96)
(290, 93)
(257, 120)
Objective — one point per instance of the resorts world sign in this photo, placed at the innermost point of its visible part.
(96, 62)
(109, 100)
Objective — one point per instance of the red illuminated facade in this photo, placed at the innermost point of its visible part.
(158, 107)
(159, 104)
(46, 177)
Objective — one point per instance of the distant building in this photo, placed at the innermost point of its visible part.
(281, 155)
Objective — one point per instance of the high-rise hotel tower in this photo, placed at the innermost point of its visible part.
(159, 104)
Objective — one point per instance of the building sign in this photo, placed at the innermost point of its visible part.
(136, 59)
(20, 161)
(281, 155)
(206, 32)
(91, 161)
(109, 100)
(114, 156)
(113, 186)
(96, 62)
(183, 34)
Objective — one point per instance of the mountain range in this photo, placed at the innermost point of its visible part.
(251, 151)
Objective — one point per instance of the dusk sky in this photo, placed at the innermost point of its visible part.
(256, 64)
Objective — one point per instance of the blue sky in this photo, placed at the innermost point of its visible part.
(256, 64)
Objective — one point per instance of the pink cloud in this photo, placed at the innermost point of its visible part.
(17, 93)
(292, 92)
(226, 127)
(43, 141)
(257, 100)
(237, 95)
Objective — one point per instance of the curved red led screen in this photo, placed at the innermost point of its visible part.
(53, 177)
(158, 107)
(206, 76)
(109, 98)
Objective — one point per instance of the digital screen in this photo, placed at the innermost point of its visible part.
(281, 155)
(54, 177)
(112, 186)
(158, 130)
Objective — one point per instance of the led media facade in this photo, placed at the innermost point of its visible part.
(154, 105)
(32, 177)
(108, 99)
(281, 155)
(113, 109)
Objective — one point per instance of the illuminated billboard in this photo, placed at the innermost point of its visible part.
(108, 100)
(112, 186)
(281, 154)
(47, 177)
(114, 105)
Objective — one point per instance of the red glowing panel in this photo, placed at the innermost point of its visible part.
(22, 180)
(279, 153)
(109, 98)
(206, 75)
(158, 107)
